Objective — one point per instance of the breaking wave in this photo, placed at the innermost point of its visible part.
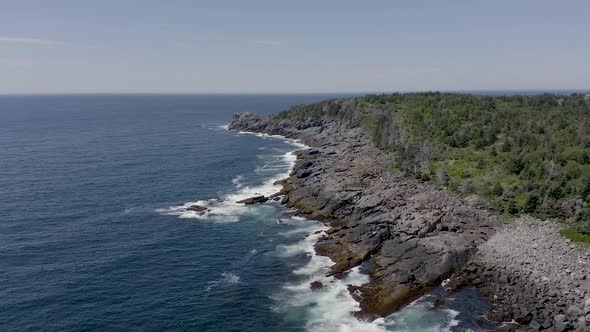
(225, 207)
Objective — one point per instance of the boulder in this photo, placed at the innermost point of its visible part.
(254, 200)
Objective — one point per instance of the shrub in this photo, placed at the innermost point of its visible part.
(583, 225)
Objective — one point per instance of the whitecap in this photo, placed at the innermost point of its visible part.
(237, 181)
(227, 278)
(230, 278)
(420, 315)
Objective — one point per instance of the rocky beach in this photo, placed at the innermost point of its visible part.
(409, 235)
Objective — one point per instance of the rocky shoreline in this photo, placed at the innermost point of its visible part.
(411, 236)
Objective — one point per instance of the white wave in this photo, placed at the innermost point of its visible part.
(227, 278)
(226, 209)
(454, 322)
(421, 315)
(306, 245)
(312, 228)
(230, 278)
(292, 141)
(330, 307)
(237, 181)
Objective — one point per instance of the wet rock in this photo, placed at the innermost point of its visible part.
(438, 302)
(314, 285)
(197, 208)
(254, 200)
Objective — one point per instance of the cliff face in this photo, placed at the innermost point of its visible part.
(409, 235)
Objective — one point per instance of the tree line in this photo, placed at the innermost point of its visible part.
(527, 154)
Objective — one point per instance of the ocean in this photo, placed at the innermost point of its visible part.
(95, 236)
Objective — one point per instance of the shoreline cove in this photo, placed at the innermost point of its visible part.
(335, 306)
(335, 296)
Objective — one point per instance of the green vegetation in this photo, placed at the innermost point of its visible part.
(527, 154)
(572, 234)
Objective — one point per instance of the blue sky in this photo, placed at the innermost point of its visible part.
(292, 46)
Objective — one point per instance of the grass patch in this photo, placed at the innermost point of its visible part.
(572, 234)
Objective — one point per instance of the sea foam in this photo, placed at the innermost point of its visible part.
(224, 208)
(330, 307)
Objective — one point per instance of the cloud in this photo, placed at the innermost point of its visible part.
(40, 42)
(267, 42)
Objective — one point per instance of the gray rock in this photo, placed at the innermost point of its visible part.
(574, 311)
(535, 325)
(559, 323)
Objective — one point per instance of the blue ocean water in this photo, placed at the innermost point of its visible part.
(94, 234)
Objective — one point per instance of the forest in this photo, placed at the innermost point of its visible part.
(526, 154)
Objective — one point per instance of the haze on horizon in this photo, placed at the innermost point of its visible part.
(265, 46)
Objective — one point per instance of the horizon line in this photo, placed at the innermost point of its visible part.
(564, 90)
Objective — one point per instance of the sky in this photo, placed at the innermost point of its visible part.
(264, 46)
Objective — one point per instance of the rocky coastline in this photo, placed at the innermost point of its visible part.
(410, 236)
